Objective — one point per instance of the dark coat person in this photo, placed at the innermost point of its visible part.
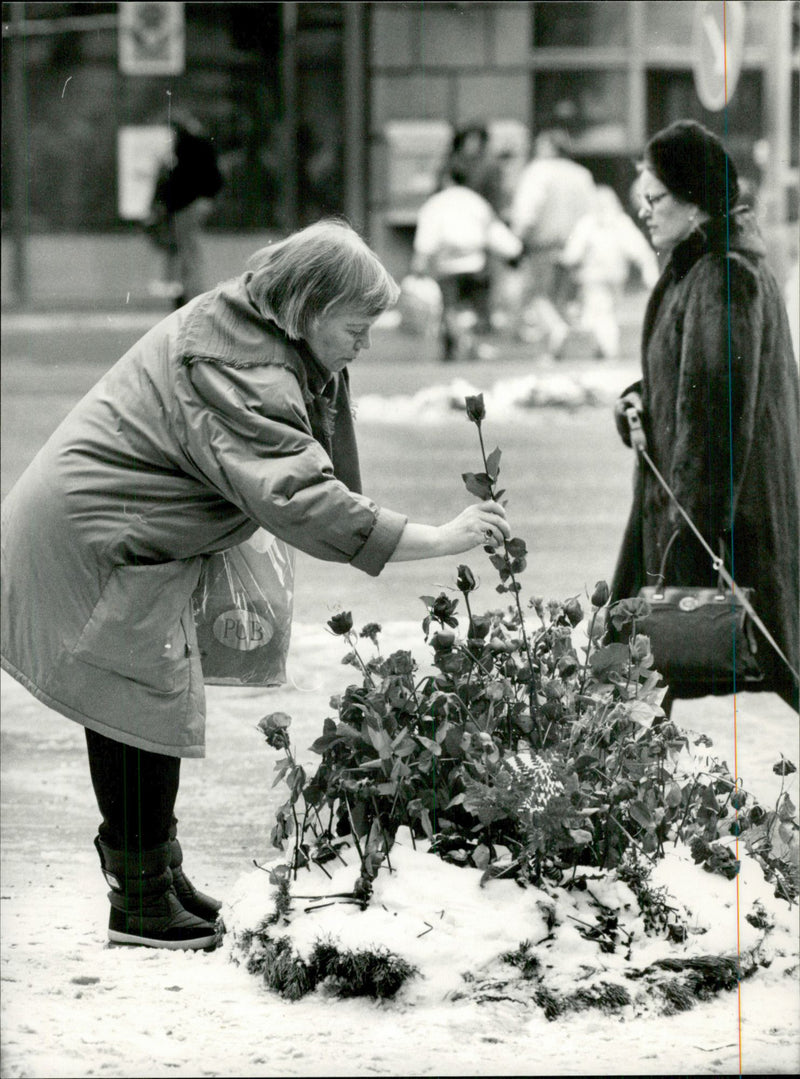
(232, 413)
(719, 401)
(184, 194)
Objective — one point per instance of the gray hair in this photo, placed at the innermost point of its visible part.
(323, 266)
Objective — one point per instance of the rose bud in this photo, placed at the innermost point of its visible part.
(600, 594)
(371, 631)
(465, 580)
(783, 767)
(341, 623)
(476, 411)
(573, 611)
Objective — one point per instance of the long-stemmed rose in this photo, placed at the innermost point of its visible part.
(513, 558)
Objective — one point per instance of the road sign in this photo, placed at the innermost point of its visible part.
(151, 38)
(718, 50)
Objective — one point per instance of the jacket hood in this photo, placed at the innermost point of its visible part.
(226, 327)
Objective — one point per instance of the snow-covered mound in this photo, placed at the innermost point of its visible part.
(564, 948)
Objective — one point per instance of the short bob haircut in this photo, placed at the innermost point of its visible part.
(321, 267)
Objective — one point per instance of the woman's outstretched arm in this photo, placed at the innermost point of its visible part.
(481, 524)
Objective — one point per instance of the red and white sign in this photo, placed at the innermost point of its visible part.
(152, 38)
(718, 50)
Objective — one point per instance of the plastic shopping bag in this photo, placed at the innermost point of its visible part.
(243, 613)
(420, 306)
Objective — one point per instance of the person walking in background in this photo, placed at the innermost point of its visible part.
(552, 193)
(471, 156)
(601, 251)
(457, 236)
(718, 399)
(233, 413)
(183, 199)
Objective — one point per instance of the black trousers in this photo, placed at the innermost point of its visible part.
(471, 292)
(135, 791)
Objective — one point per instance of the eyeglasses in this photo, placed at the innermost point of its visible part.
(653, 200)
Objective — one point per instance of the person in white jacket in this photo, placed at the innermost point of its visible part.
(600, 251)
(552, 192)
(458, 233)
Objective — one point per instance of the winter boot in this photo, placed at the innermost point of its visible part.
(197, 903)
(144, 907)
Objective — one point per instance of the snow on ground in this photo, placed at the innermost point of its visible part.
(551, 385)
(438, 918)
(72, 1007)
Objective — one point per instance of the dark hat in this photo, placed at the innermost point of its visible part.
(692, 164)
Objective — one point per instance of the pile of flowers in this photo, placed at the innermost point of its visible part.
(529, 761)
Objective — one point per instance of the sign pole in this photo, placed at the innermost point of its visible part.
(355, 136)
(19, 174)
(778, 76)
(289, 102)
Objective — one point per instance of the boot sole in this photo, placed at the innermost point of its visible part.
(194, 944)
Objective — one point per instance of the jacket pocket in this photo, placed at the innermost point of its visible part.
(138, 626)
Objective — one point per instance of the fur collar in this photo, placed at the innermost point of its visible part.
(737, 233)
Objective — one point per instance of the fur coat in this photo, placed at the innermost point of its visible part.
(722, 419)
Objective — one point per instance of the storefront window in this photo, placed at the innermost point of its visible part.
(591, 106)
(567, 25)
(77, 101)
(320, 108)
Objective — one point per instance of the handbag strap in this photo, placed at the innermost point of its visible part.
(662, 569)
(639, 442)
(662, 574)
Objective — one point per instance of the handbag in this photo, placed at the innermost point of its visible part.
(243, 612)
(700, 636)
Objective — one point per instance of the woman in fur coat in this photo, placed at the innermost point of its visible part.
(718, 401)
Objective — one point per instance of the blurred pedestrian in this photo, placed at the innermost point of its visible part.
(183, 199)
(601, 251)
(480, 170)
(458, 233)
(718, 399)
(230, 414)
(552, 193)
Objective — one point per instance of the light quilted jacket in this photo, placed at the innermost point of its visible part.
(212, 425)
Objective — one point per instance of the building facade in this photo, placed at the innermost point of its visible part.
(346, 108)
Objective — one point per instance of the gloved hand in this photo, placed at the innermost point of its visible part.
(629, 400)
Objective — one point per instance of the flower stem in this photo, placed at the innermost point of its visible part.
(532, 702)
(352, 641)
